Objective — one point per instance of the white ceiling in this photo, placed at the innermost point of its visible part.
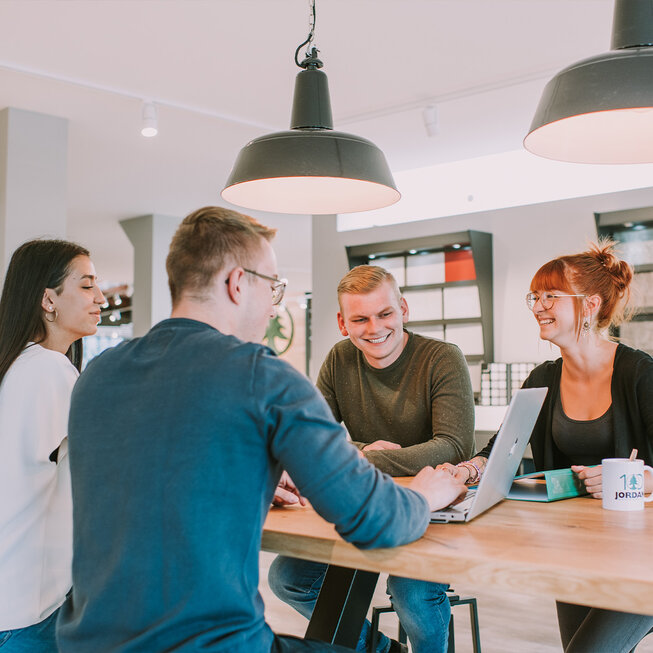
(222, 72)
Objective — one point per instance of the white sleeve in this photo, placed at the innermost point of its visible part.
(41, 396)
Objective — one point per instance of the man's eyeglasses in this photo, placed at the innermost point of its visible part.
(547, 299)
(278, 285)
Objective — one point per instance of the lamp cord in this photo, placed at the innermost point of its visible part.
(309, 40)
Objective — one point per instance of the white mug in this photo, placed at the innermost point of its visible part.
(623, 484)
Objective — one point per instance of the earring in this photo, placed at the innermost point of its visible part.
(52, 312)
(586, 327)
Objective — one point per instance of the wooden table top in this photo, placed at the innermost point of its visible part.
(570, 550)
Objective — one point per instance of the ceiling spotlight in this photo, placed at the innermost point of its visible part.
(600, 110)
(430, 118)
(311, 168)
(150, 121)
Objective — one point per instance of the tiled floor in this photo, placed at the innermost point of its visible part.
(510, 623)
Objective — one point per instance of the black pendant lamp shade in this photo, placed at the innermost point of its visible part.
(600, 110)
(311, 168)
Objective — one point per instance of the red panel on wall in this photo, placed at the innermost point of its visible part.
(459, 265)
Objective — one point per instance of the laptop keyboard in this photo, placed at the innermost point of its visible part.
(464, 501)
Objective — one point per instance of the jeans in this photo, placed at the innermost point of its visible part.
(39, 638)
(423, 608)
(593, 630)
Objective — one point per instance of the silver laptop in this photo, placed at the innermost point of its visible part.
(507, 452)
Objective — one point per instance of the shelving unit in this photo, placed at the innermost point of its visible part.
(447, 282)
(633, 230)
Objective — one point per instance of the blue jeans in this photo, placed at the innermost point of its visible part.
(423, 608)
(39, 638)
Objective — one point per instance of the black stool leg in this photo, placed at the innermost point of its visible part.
(451, 646)
(374, 630)
(476, 631)
(402, 637)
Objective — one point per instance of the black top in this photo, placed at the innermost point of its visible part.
(632, 409)
(586, 441)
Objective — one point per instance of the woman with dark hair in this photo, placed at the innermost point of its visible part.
(599, 405)
(50, 300)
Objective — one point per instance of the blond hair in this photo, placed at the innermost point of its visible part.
(205, 241)
(364, 279)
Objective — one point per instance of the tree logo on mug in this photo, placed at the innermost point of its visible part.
(633, 486)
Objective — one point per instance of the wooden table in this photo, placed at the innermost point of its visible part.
(570, 550)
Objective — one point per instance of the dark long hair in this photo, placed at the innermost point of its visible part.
(34, 266)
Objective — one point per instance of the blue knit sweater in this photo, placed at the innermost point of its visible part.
(177, 441)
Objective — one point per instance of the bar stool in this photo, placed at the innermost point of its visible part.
(454, 600)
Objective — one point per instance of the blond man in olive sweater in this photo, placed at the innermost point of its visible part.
(407, 403)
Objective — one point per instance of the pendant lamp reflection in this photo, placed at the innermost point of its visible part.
(600, 110)
(311, 168)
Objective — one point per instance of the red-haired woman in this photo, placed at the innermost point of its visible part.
(599, 405)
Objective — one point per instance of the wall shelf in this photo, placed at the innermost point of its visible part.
(447, 282)
(633, 231)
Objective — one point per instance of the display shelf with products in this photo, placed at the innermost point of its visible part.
(447, 282)
(633, 231)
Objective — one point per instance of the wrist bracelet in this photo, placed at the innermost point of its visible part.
(472, 479)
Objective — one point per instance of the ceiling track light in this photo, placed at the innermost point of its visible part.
(311, 169)
(150, 125)
(600, 110)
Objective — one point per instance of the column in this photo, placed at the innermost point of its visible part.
(33, 168)
(329, 266)
(151, 236)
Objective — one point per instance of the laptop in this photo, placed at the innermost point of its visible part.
(507, 452)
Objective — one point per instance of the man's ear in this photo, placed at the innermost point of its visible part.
(234, 285)
(341, 325)
(403, 305)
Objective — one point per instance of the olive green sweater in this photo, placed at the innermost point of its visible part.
(423, 401)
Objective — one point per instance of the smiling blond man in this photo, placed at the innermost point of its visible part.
(406, 400)
(407, 403)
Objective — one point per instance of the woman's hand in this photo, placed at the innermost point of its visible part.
(287, 493)
(459, 473)
(592, 477)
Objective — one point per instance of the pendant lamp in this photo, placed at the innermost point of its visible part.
(311, 168)
(600, 110)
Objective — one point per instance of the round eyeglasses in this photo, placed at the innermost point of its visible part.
(278, 285)
(546, 299)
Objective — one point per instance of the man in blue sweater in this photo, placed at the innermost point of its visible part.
(177, 442)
